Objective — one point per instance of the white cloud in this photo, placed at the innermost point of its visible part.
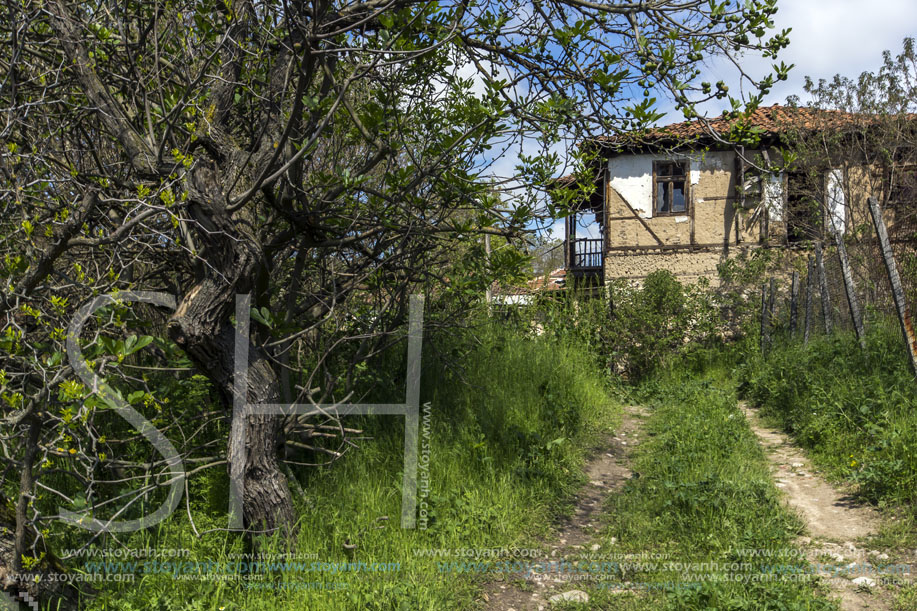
(557, 230)
(842, 36)
(828, 37)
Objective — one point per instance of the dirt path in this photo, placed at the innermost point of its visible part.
(838, 525)
(607, 471)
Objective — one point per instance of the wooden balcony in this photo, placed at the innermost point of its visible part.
(585, 257)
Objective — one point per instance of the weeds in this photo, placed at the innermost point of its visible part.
(701, 494)
(506, 439)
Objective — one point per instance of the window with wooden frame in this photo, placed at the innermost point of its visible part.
(670, 187)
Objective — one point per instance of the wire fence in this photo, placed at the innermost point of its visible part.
(824, 301)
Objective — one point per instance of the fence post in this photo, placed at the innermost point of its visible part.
(794, 296)
(771, 298)
(850, 289)
(823, 282)
(904, 316)
(810, 286)
(763, 318)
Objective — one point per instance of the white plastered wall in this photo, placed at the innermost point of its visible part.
(836, 201)
(772, 192)
(632, 178)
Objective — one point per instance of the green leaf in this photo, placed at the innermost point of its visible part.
(133, 344)
(263, 316)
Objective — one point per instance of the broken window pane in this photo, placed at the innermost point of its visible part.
(678, 197)
(662, 203)
(671, 186)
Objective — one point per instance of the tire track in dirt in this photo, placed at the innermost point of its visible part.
(836, 522)
(607, 470)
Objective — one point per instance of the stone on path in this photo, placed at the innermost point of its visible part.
(865, 582)
(576, 596)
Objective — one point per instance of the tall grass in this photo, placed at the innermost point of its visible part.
(505, 440)
(855, 410)
(700, 495)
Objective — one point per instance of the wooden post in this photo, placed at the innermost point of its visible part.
(810, 287)
(850, 289)
(904, 316)
(763, 318)
(740, 179)
(794, 296)
(823, 282)
(771, 298)
(488, 294)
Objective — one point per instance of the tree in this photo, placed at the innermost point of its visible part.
(863, 126)
(323, 156)
(860, 140)
(547, 255)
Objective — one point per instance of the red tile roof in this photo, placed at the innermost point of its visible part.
(549, 282)
(770, 121)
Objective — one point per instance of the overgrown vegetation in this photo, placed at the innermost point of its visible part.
(507, 432)
(511, 406)
(854, 412)
(700, 494)
(853, 409)
(631, 329)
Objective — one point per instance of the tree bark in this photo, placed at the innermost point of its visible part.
(26, 487)
(210, 340)
(201, 325)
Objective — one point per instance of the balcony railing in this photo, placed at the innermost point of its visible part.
(585, 254)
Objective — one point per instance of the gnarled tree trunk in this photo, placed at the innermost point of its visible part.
(201, 325)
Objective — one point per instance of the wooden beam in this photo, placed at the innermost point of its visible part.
(764, 318)
(638, 217)
(684, 247)
(771, 298)
(794, 296)
(810, 287)
(691, 202)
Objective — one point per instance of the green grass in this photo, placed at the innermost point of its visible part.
(506, 446)
(509, 430)
(854, 410)
(701, 491)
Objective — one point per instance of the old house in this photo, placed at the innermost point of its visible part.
(682, 198)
